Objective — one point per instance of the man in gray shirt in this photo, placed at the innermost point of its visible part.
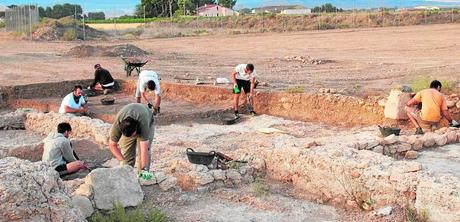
(58, 151)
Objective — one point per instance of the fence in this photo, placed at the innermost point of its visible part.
(21, 19)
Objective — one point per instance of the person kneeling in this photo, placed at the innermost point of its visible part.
(59, 152)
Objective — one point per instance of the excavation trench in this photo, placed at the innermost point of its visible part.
(329, 153)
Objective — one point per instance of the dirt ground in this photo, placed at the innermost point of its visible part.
(364, 61)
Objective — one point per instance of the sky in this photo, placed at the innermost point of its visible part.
(120, 7)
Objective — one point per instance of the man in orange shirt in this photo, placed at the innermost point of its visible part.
(434, 107)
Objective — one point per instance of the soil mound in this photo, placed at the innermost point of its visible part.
(65, 29)
(127, 50)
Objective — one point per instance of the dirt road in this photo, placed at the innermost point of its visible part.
(363, 61)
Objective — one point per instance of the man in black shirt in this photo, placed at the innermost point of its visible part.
(102, 80)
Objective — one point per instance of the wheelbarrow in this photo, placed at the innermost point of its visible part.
(132, 64)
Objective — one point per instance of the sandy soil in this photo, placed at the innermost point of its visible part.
(371, 59)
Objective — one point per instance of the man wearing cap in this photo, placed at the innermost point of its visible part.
(243, 78)
(149, 80)
(103, 81)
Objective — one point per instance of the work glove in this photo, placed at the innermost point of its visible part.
(146, 175)
(156, 111)
(235, 89)
(149, 105)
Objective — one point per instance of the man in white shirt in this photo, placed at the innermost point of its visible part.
(148, 80)
(243, 77)
(74, 102)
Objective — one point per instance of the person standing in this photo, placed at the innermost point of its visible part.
(243, 78)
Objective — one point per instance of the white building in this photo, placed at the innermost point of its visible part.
(2, 10)
(304, 11)
(214, 10)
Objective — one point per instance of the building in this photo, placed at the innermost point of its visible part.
(427, 8)
(213, 10)
(2, 11)
(305, 11)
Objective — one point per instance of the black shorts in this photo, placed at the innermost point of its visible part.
(107, 87)
(61, 168)
(243, 84)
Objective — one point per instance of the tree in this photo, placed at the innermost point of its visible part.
(96, 15)
(156, 8)
(60, 11)
(186, 7)
(328, 7)
(227, 3)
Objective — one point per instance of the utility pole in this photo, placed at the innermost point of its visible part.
(75, 17)
(84, 28)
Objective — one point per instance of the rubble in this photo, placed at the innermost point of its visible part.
(33, 187)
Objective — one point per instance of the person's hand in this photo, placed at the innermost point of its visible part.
(156, 111)
(250, 95)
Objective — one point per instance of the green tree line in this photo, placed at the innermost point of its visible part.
(166, 8)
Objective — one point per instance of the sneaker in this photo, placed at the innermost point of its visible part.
(147, 178)
(237, 116)
(419, 131)
(146, 175)
(253, 113)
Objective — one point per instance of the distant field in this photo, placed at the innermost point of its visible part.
(116, 26)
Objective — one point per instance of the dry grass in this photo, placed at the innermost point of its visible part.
(448, 86)
(285, 23)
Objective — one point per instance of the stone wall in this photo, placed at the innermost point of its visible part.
(362, 178)
(408, 146)
(82, 127)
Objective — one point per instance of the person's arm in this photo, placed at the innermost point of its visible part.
(233, 77)
(157, 100)
(446, 115)
(67, 152)
(253, 80)
(67, 109)
(96, 78)
(412, 102)
(445, 111)
(144, 145)
(144, 95)
(115, 150)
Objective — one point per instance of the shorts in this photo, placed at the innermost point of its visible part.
(417, 114)
(108, 85)
(243, 84)
(61, 168)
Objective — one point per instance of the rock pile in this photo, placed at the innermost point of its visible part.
(33, 192)
(12, 121)
(307, 60)
(408, 146)
(203, 178)
(127, 50)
